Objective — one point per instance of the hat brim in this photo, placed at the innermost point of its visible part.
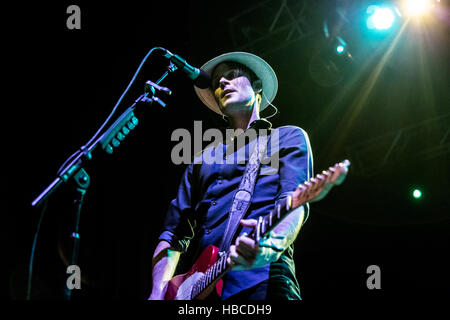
(260, 67)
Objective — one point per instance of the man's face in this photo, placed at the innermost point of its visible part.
(232, 89)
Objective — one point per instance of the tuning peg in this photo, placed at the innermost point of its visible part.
(345, 163)
(302, 186)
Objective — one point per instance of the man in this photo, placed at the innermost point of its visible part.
(242, 85)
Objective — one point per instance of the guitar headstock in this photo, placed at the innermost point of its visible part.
(318, 187)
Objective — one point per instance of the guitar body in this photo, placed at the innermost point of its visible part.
(180, 286)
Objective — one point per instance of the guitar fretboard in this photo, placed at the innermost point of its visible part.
(268, 222)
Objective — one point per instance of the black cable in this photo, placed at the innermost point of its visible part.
(33, 249)
(113, 110)
(273, 106)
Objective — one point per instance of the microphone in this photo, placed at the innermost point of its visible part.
(201, 78)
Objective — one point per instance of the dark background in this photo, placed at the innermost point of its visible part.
(63, 83)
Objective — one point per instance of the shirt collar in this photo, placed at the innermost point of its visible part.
(261, 124)
(257, 125)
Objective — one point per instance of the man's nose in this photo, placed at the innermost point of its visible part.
(223, 82)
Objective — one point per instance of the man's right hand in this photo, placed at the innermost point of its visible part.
(164, 262)
(159, 293)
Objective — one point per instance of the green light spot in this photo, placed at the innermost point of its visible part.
(417, 194)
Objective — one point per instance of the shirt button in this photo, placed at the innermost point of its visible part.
(208, 231)
(214, 203)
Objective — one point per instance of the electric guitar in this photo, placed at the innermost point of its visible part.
(204, 279)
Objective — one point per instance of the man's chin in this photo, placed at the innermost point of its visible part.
(231, 110)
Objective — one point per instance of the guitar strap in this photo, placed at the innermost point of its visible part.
(243, 196)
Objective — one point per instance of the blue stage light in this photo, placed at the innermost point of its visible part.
(380, 18)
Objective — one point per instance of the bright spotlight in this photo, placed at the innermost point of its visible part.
(340, 49)
(381, 19)
(417, 194)
(416, 7)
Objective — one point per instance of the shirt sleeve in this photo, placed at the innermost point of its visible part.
(296, 161)
(179, 224)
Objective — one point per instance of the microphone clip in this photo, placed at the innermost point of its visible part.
(152, 87)
(150, 90)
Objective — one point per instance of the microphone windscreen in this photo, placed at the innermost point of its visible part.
(203, 81)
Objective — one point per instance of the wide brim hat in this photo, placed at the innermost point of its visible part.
(260, 67)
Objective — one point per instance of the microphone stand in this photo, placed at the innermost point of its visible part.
(108, 141)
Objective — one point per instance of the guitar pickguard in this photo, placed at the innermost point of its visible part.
(185, 289)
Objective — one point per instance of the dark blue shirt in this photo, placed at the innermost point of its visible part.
(204, 197)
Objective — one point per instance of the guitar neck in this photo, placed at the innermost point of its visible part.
(268, 222)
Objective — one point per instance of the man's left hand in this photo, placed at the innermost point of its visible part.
(246, 253)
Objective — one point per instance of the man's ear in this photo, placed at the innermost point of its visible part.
(259, 98)
(257, 86)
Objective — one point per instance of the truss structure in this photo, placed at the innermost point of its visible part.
(269, 26)
(425, 140)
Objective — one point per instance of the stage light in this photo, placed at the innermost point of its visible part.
(381, 18)
(416, 7)
(417, 194)
(340, 49)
